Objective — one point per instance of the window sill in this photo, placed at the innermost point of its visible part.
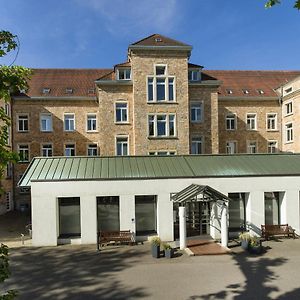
(23, 131)
(162, 102)
(289, 142)
(162, 137)
(197, 122)
(287, 115)
(46, 131)
(230, 129)
(122, 123)
(92, 131)
(272, 130)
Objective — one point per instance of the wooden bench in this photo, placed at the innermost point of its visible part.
(122, 236)
(272, 230)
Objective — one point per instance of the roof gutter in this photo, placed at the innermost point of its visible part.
(114, 82)
(85, 98)
(206, 83)
(249, 98)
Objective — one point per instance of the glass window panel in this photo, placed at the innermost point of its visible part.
(108, 213)
(272, 208)
(171, 89)
(150, 89)
(161, 125)
(237, 211)
(160, 89)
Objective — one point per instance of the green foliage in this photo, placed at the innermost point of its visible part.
(4, 272)
(254, 241)
(155, 241)
(271, 3)
(7, 42)
(166, 246)
(245, 236)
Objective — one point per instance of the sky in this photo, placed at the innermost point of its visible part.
(225, 34)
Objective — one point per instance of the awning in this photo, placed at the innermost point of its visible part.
(196, 193)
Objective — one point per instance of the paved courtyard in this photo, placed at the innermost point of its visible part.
(129, 272)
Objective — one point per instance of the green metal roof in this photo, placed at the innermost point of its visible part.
(153, 167)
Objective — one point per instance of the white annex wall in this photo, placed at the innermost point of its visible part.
(45, 212)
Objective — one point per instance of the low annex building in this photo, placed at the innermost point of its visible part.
(75, 197)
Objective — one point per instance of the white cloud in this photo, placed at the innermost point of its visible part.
(134, 17)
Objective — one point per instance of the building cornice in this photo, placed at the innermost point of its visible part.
(248, 98)
(78, 98)
(206, 83)
(114, 82)
(160, 48)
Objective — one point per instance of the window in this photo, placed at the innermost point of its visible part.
(91, 122)
(122, 146)
(229, 91)
(197, 145)
(231, 122)
(23, 153)
(69, 91)
(272, 211)
(69, 121)
(124, 74)
(194, 75)
(162, 153)
(108, 214)
(69, 150)
(161, 125)
(237, 211)
(161, 87)
(121, 112)
(246, 92)
(47, 150)
(196, 112)
(289, 108)
(252, 147)
(231, 147)
(46, 122)
(7, 109)
(9, 171)
(271, 121)
(23, 123)
(272, 146)
(92, 150)
(261, 92)
(46, 90)
(289, 132)
(251, 121)
(288, 90)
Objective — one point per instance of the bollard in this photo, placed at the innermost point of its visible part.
(22, 239)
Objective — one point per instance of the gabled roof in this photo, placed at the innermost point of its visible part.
(237, 81)
(158, 40)
(160, 167)
(57, 80)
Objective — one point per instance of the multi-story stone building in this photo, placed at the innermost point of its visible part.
(155, 103)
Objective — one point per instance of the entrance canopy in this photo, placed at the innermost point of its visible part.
(196, 193)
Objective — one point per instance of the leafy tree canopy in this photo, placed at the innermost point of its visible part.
(271, 3)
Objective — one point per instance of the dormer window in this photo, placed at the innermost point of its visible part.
(69, 91)
(46, 90)
(91, 91)
(229, 92)
(157, 40)
(261, 92)
(124, 74)
(160, 70)
(246, 92)
(194, 75)
(290, 89)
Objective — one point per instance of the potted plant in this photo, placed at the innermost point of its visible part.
(155, 246)
(255, 245)
(169, 251)
(245, 238)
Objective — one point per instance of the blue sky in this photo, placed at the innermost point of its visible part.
(225, 34)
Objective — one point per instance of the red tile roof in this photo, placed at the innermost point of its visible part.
(80, 80)
(158, 40)
(237, 81)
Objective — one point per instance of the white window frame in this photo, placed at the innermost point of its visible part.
(167, 126)
(229, 147)
(269, 119)
(69, 120)
(231, 117)
(65, 148)
(24, 120)
(194, 104)
(269, 147)
(193, 72)
(95, 146)
(250, 147)
(123, 142)
(24, 149)
(125, 109)
(289, 132)
(198, 140)
(47, 149)
(166, 77)
(123, 70)
(47, 119)
(159, 153)
(95, 119)
(249, 126)
(288, 108)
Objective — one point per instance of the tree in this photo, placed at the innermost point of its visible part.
(13, 79)
(271, 3)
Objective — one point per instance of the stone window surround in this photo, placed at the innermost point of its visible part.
(121, 136)
(194, 102)
(199, 139)
(74, 121)
(232, 142)
(271, 147)
(87, 121)
(267, 121)
(251, 119)
(25, 148)
(155, 135)
(115, 111)
(124, 70)
(24, 121)
(194, 71)
(95, 146)
(288, 108)
(250, 147)
(47, 149)
(227, 118)
(51, 121)
(65, 148)
(167, 77)
(289, 133)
